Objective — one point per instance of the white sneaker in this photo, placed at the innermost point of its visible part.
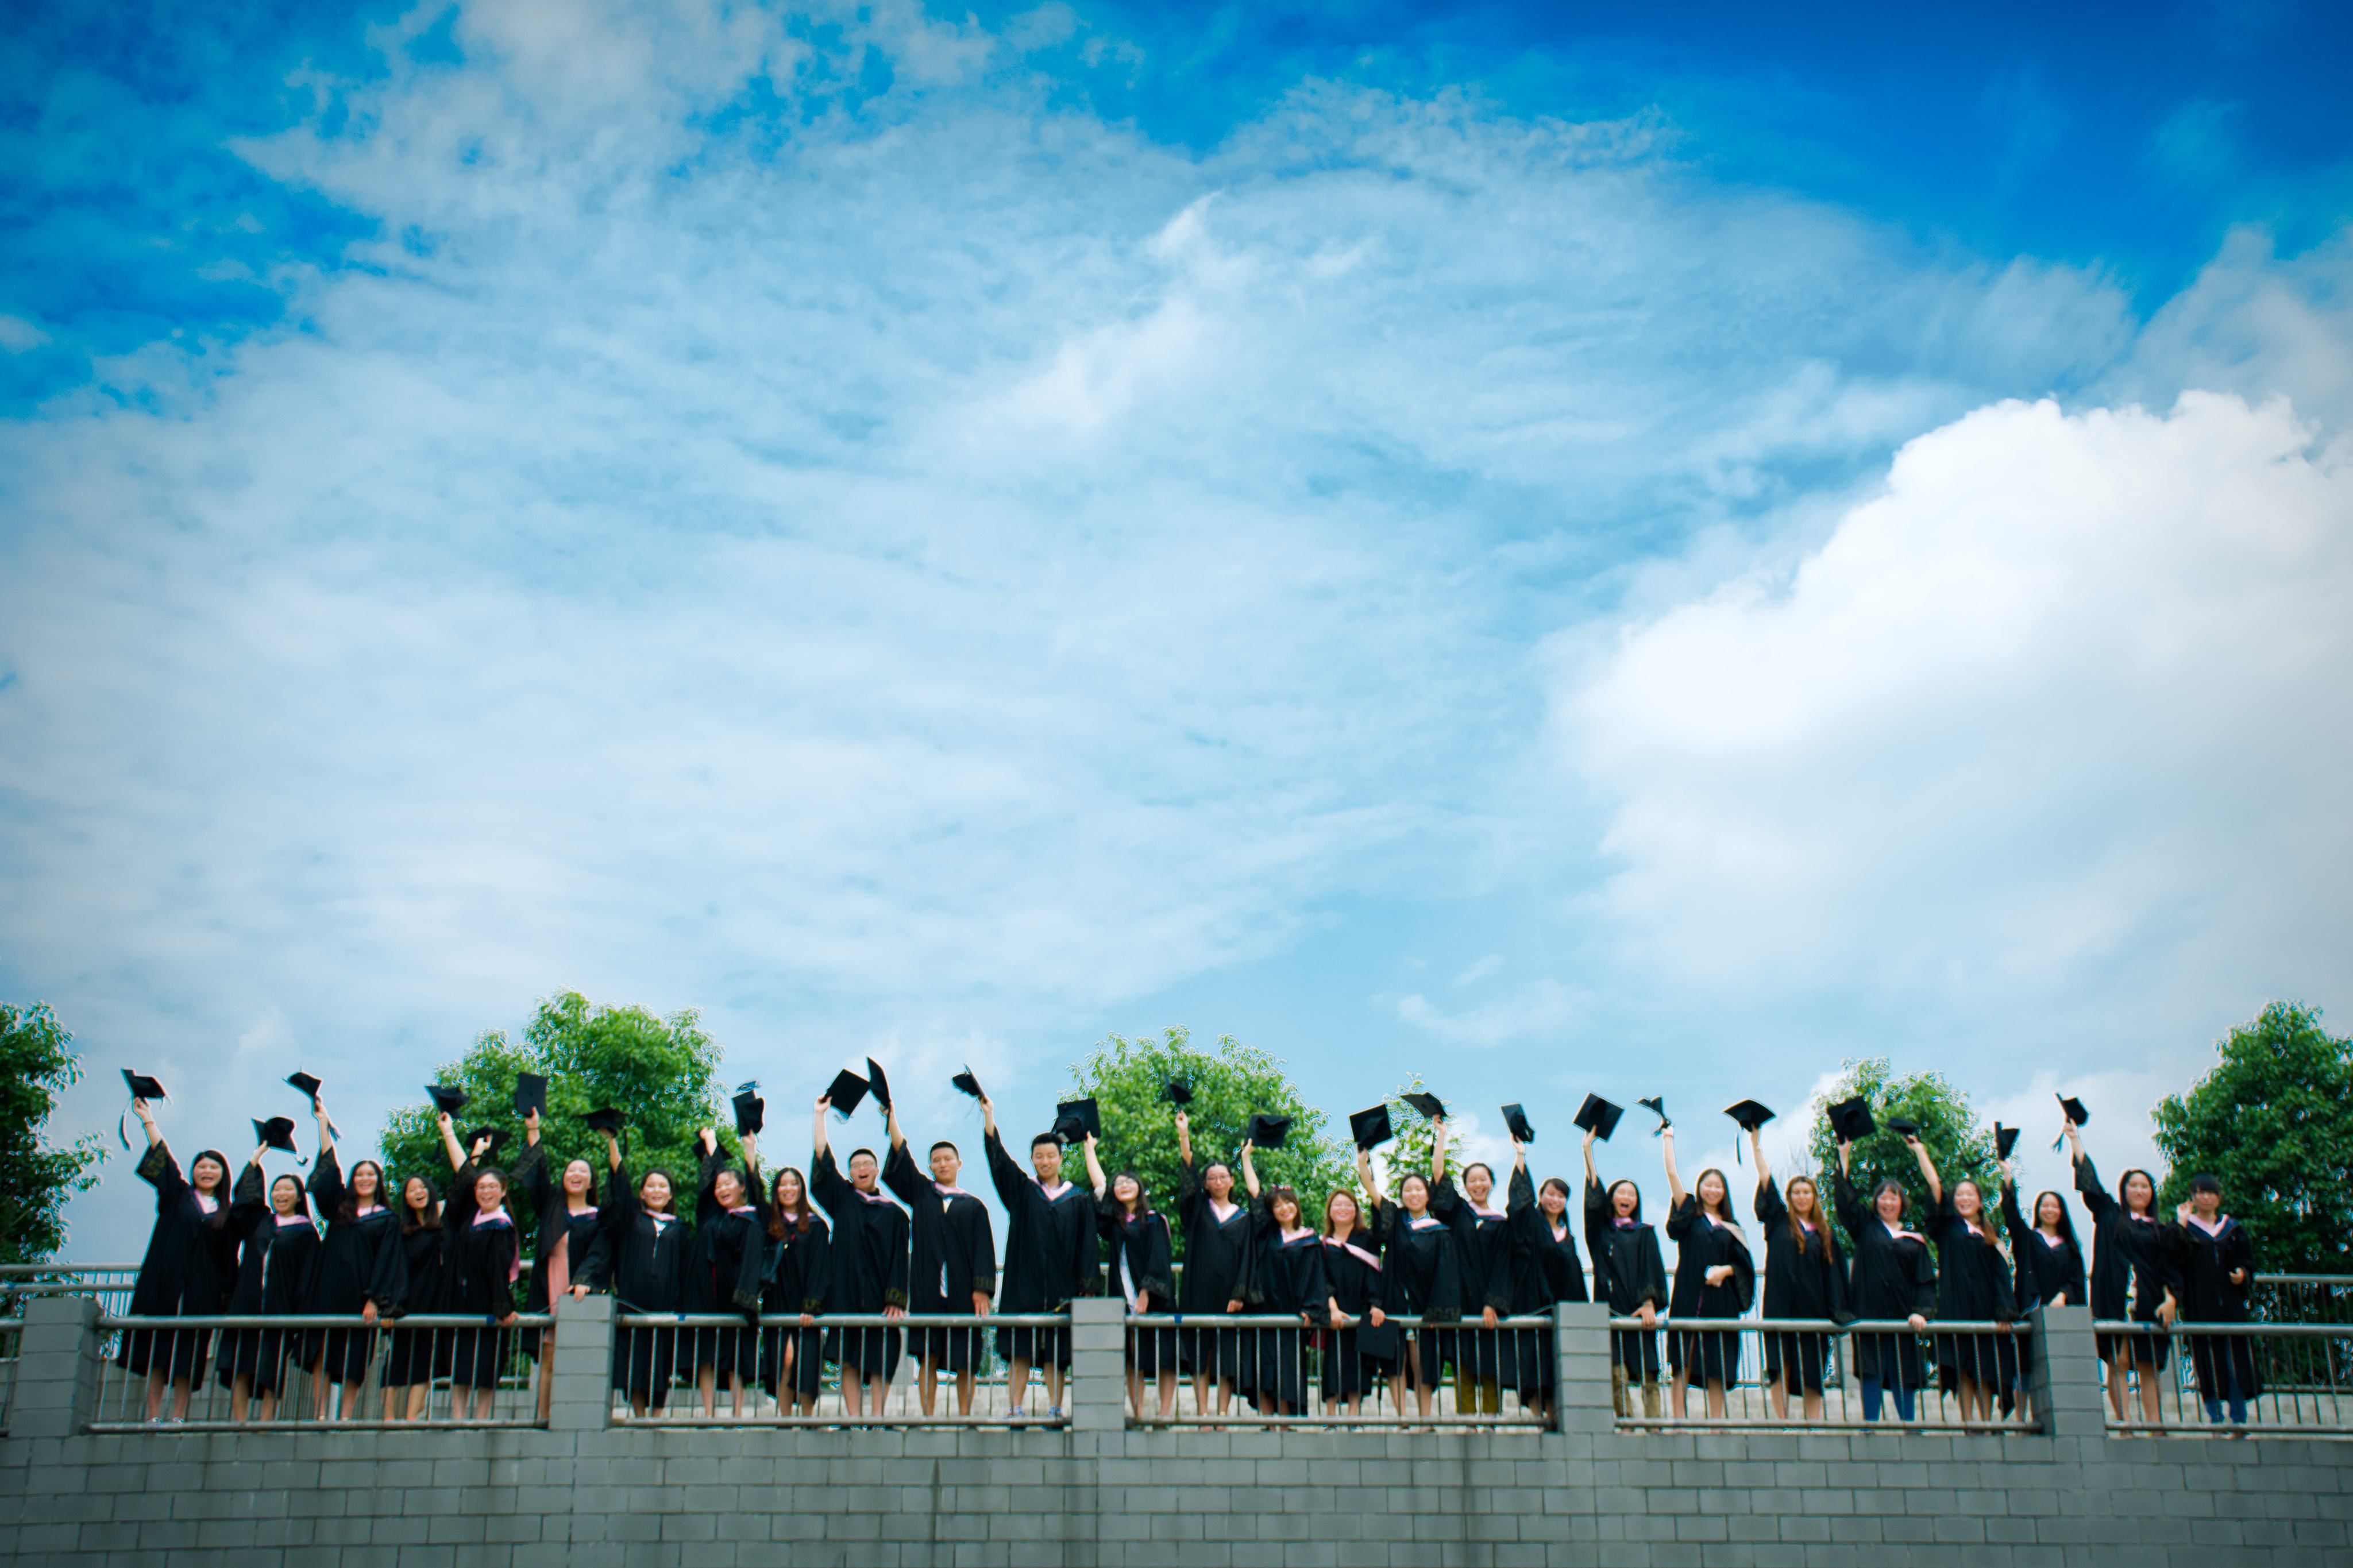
(1053, 1413)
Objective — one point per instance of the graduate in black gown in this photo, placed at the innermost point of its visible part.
(798, 1273)
(275, 1269)
(1973, 1285)
(1715, 1278)
(410, 1361)
(1421, 1276)
(1482, 1251)
(2213, 1269)
(571, 1255)
(2132, 1277)
(361, 1268)
(2047, 1260)
(869, 1258)
(1285, 1278)
(1143, 1270)
(955, 1266)
(190, 1262)
(1893, 1277)
(1218, 1236)
(1545, 1271)
(1352, 1264)
(1631, 1276)
(725, 1272)
(650, 1246)
(1050, 1255)
(485, 1259)
(1804, 1279)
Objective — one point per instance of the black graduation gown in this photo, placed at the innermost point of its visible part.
(1216, 1252)
(1892, 1276)
(1482, 1251)
(798, 1273)
(1142, 1272)
(273, 1279)
(588, 1252)
(1804, 1281)
(870, 1269)
(1421, 1276)
(1285, 1277)
(1352, 1271)
(190, 1261)
(359, 1261)
(1630, 1270)
(955, 1259)
(1973, 1285)
(483, 1263)
(1050, 1254)
(723, 1274)
(1702, 1243)
(2130, 1268)
(2202, 1265)
(420, 1355)
(649, 1267)
(1545, 1270)
(2041, 1272)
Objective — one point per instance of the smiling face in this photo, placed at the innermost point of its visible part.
(1552, 1198)
(208, 1175)
(1712, 1190)
(1624, 1199)
(1968, 1202)
(367, 1182)
(285, 1194)
(1414, 1194)
(489, 1192)
(579, 1176)
(1477, 1182)
(1889, 1204)
(1285, 1210)
(2140, 1195)
(1046, 1159)
(862, 1170)
(1218, 1181)
(788, 1190)
(946, 1164)
(1803, 1202)
(2049, 1212)
(654, 1191)
(1340, 1211)
(1127, 1189)
(2205, 1203)
(417, 1197)
(728, 1188)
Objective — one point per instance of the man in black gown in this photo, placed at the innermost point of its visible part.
(869, 1267)
(956, 1260)
(1049, 1255)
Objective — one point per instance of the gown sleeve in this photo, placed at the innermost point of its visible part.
(895, 1280)
(2087, 1182)
(1743, 1283)
(1445, 1282)
(1009, 1178)
(1597, 1220)
(982, 1250)
(2013, 1220)
(388, 1284)
(1771, 1210)
(595, 1271)
(1924, 1286)
(825, 1183)
(899, 1176)
(327, 1184)
(1159, 1268)
(1850, 1216)
(620, 1200)
(1681, 1217)
(1654, 1272)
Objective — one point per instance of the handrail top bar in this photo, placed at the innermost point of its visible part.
(1822, 1325)
(2248, 1330)
(1292, 1320)
(835, 1321)
(306, 1320)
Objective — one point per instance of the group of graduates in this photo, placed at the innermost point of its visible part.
(823, 1268)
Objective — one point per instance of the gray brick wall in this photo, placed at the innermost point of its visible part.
(584, 1495)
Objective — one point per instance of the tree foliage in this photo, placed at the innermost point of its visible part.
(2274, 1121)
(661, 1073)
(37, 1063)
(1128, 1078)
(1416, 1138)
(1948, 1128)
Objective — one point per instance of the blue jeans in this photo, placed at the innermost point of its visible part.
(2229, 1378)
(1871, 1392)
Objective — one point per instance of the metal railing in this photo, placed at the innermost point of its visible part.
(1246, 1370)
(408, 1370)
(1751, 1373)
(659, 1359)
(2229, 1379)
(2302, 1298)
(109, 1282)
(12, 1332)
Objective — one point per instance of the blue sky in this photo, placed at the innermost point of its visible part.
(1507, 543)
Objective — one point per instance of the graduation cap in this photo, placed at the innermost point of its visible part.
(1371, 1129)
(278, 1133)
(1598, 1117)
(880, 1085)
(303, 1081)
(1176, 1091)
(531, 1093)
(1515, 1117)
(846, 1091)
(1429, 1104)
(1851, 1119)
(447, 1101)
(2073, 1109)
(1751, 1116)
(1904, 1127)
(1657, 1106)
(1268, 1131)
(965, 1083)
(749, 1108)
(604, 1119)
(1084, 1113)
(2005, 1138)
(497, 1135)
(142, 1086)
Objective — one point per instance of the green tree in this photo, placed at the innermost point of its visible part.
(1948, 1129)
(1416, 1138)
(1128, 1079)
(37, 1063)
(2274, 1121)
(661, 1073)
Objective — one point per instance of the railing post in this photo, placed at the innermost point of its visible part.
(580, 1395)
(1582, 1368)
(56, 1367)
(2065, 1383)
(1098, 1391)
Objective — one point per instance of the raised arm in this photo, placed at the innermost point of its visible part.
(147, 1120)
(1592, 1177)
(890, 1124)
(326, 1128)
(816, 1136)
(1437, 1149)
(1927, 1169)
(1365, 1174)
(1842, 1198)
(1094, 1169)
(1184, 1138)
(1757, 1147)
(987, 1117)
(2087, 1178)
(449, 1144)
(1674, 1177)
(1249, 1171)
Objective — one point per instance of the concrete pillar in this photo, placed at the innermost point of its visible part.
(2065, 1383)
(580, 1398)
(1581, 1367)
(57, 1368)
(1098, 1389)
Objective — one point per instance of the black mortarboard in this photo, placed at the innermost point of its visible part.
(879, 1085)
(749, 1108)
(140, 1086)
(1084, 1113)
(1851, 1119)
(1377, 1341)
(1749, 1114)
(1904, 1127)
(2005, 1138)
(1268, 1131)
(303, 1081)
(1516, 1118)
(497, 1137)
(447, 1101)
(531, 1093)
(1371, 1129)
(963, 1082)
(278, 1133)
(2074, 1110)
(1178, 1092)
(1598, 1117)
(604, 1119)
(1429, 1104)
(1657, 1106)
(1069, 1130)
(846, 1091)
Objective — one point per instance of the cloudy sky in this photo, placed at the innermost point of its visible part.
(1551, 552)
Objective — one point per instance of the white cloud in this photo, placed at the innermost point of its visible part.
(1540, 1007)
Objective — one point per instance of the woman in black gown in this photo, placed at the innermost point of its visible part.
(190, 1261)
(1545, 1271)
(650, 1249)
(1482, 1251)
(2047, 1260)
(730, 1258)
(359, 1269)
(1973, 1285)
(794, 1284)
(1804, 1279)
(571, 1255)
(1218, 1236)
(1141, 1267)
(1632, 1276)
(1352, 1263)
(2213, 1266)
(485, 1260)
(416, 1356)
(1715, 1278)
(280, 1259)
(2131, 1278)
(1893, 1277)
(1420, 1277)
(1285, 1278)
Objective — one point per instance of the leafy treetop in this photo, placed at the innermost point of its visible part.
(36, 1062)
(1948, 1129)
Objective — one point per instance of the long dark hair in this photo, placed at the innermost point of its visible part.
(1142, 1194)
(1298, 1209)
(348, 1212)
(411, 1222)
(1609, 1200)
(2066, 1223)
(2124, 1184)
(801, 1216)
(1821, 1221)
(221, 1190)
